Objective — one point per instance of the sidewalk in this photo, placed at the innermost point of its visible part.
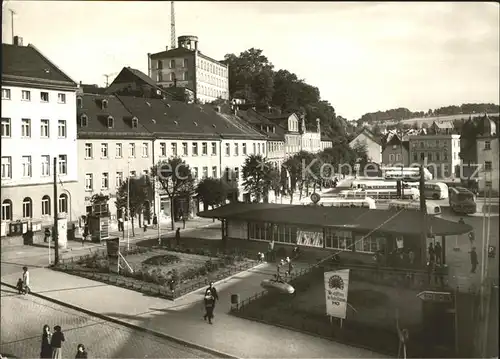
(182, 320)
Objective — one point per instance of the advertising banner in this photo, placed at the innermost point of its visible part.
(310, 238)
(336, 289)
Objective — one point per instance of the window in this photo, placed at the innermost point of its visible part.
(368, 244)
(61, 129)
(105, 180)
(26, 95)
(6, 167)
(45, 205)
(172, 64)
(236, 149)
(159, 65)
(421, 144)
(488, 184)
(228, 150)
(159, 77)
(244, 148)
(171, 76)
(422, 156)
(26, 165)
(63, 203)
(25, 128)
(185, 76)
(174, 149)
(61, 98)
(131, 150)
(205, 172)
(63, 164)
(445, 156)
(437, 156)
(163, 149)
(391, 157)
(84, 121)
(214, 148)
(237, 173)
(111, 122)
(89, 182)
(44, 128)
(6, 209)
(185, 64)
(118, 150)
(88, 150)
(145, 149)
(132, 173)
(204, 148)
(184, 148)
(104, 150)
(27, 208)
(5, 94)
(44, 96)
(487, 145)
(79, 102)
(487, 166)
(214, 172)
(135, 122)
(45, 165)
(398, 157)
(195, 149)
(118, 179)
(5, 127)
(254, 149)
(429, 157)
(339, 240)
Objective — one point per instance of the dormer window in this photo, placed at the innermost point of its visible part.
(104, 104)
(274, 129)
(111, 122)
(79, 102)
(84, 120)
(135, 122)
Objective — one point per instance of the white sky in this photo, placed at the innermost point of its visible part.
(363, 57)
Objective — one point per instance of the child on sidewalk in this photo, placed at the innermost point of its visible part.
(19, 286)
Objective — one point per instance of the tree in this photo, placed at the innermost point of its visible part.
(132, 195)
(257, 176)
(212, 192)
(175, 179)
(290, 175)
(99, 203)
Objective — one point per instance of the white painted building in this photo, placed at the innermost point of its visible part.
(311, 140)
(487, 156)
(373, 146)
(38, 125)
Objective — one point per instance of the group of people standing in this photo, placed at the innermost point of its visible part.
(52, 344)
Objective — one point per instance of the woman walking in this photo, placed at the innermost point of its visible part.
(46, 350)
(56, 342)
(81, 353)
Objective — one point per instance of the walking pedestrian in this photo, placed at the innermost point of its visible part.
(46, 237)
(211, 296)
(183, 217)
(56, 342)
(155, 221)
(438, 250)
(178, 236)
(121, 226)
(46, 350)
(271, 250)
(473, 260)
(26, 281)
(81, 353)
(20, 286)
(290, 266)
(432, 253)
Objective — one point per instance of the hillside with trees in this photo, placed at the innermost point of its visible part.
(252, 77)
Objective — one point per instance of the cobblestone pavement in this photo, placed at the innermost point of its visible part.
(20, 334)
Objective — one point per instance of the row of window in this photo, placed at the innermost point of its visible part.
(26, 96)
(212, 68)
(434, 143)
(436, 156)
(394, 157)
(46, 204)
(334, 239)
(26, 128)
(207, 91)
(212, 80)
(171, 63)
(27, 165)
(275, 146)
(89, 150)
(171, 76)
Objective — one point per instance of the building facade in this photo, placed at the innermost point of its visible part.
(311, 140)
(186, 66)
(395, 151)
(439, 153)
(38, 127)
(372, 144)
(487, 153)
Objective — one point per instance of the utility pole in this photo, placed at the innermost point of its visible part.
(128, 206)
(12, 13)
(55, 231)
(423, 210)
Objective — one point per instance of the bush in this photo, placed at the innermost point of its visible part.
(160, 260)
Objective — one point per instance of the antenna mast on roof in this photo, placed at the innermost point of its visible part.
(12, 13)
(172, 25)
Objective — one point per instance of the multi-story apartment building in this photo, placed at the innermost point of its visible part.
(186, 66)
(395, 151)
(487, 153)
(311, 141)
(38, 126)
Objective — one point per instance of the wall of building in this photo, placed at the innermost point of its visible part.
(293, 144)
(395, 155)
(326, 144)
(488, 153)
(311, 142)
(212, 80)
(276, 152)
(237, 229)
(373, 149)
(182, 66)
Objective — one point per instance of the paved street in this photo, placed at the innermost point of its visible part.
(20, 335)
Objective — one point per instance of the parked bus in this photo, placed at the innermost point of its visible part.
(410, 193)
(366, 202)
(381, 184)
(436, 190)
(432, 208)
(405, 173)
(462, 200)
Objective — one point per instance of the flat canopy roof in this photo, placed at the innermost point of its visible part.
(407, 222)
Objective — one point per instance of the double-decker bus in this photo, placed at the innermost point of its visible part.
(462, 200)
(432, 208)
(405, 173)
(366, 202)
(377, 194)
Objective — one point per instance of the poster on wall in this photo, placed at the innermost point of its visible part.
(310, 238)
(336, 289)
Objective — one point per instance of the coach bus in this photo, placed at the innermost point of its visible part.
(431, 207)
(405, 173)
(366, 202)
(381, 184)
(378, 194)
(436, 190)
(462, 200)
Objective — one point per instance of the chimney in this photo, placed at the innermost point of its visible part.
(18, 41)
(149, 64)
(318, 125)
(166, 48)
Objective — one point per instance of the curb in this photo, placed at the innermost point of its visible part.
(131, 326)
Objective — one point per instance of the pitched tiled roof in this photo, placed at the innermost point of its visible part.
(256, 120)
(369, 134)
(180, 51)
(358, 219)
(26, 63)
(166, 117)
(97, 125)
